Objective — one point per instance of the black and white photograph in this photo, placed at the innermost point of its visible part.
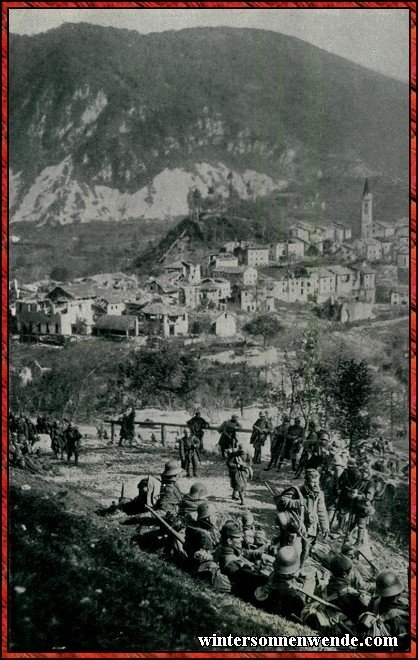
(208, 320)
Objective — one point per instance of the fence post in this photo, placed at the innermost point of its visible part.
(112, 431)
(163, 435)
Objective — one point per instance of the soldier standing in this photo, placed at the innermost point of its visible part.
(197, 425)
(130, 425)
(278, 441)
(310, 446)
(309, 505)
(228, 431)
(348, 485)
(363, 505)
(239, 472)
(294, 447)
(72, 441)
(261, 429)
(191, 455)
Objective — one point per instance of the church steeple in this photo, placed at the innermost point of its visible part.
(366, 188)
(367, 213)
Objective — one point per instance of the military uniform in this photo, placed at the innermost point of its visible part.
(279, 595)
(341, 589)
(261, 429)
(202, 534)
(308, 503)
(239, 473)
(228, 431)
(72, 440)
(191, 502)
(294, 446)
(191, 455)
(197, 425)
(277, 443)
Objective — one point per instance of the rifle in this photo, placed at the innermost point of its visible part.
(317, 598)
(271, 491)
(368, 560)
(165, 524)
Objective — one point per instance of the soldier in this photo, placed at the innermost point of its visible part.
(190, 502)
(170, 495)
(278, 441)
(191, 455)
(239, 472)
(57, 440)
(248, 530)
(201, 534)
(388, 612)
(148, 494)
(294, 446)
(228, 431)
(309, 506)
(236, 563)
(310, 446)
(363, 504)
(348, 485)
(123, 429)
(341, 589)
(197, 425)
(130, 425)
(181, 445)
(279, 595)
(261, 429)
(72, 442)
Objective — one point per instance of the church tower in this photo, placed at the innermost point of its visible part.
(366, 213)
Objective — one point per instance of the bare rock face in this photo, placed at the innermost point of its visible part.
(109, 124)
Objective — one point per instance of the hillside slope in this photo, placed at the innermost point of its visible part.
(128, 128)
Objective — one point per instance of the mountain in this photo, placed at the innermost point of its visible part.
(109, 124)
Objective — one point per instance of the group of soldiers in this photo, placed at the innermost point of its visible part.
(290, 574)
(24, 433)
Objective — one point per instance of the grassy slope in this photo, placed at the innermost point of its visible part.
(85, 589)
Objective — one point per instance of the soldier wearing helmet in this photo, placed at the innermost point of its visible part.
(203, 533)
(278, 440)
(190, 502)
(341, 591)
(228, 431)
(237, 563)
(388, 612)
(197, 425)
(279, 595)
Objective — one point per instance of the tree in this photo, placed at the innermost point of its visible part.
(265, 326)
(350, 388)
(161, 375)
(60, 274)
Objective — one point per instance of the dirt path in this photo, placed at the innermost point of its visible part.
(104, 468)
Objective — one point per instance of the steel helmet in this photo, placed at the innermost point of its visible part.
(287, 561)
(341, 565)
(388, 584)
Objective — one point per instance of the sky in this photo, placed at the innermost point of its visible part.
(375, 38)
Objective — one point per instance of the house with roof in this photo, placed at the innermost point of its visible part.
(382, 229)
(277, 251)
(190, 271)
(365, 283)
(369, 248)
(237, 275)
(109, 325)
(399, 295)
(225, 324)
(209, 293)
(189, 296)
(295, 248)
(344, 279)
(256, 255)
(219, 260)
(75, 301)
(112, 301)
(165, 288)
(247, 297)
(402, 257)
(164, 320)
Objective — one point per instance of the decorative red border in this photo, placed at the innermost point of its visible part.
(4, 273)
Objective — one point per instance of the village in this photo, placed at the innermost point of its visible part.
(344, 279)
